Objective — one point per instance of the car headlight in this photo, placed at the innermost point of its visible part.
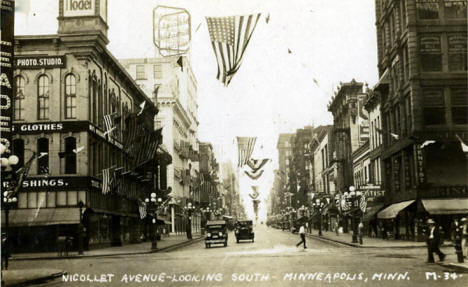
(237, 231)
(220, 234)
(208, 235)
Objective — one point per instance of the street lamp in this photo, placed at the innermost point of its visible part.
(153, 203)
(354, 198)
(80, 229)
(8, 197)
(320, 204)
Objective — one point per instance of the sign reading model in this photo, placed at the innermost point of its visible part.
(40, 62)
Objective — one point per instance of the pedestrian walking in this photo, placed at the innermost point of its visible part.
(433, 242)
(360, 231)
(464, 243)
(457, 239)
(302, 235)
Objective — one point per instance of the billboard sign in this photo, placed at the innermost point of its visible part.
(171, 30)
(6, 70)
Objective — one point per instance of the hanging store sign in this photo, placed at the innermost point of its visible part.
(453, 191)
(40, 62)
(6, 69)
(50, 183)
(171, 30)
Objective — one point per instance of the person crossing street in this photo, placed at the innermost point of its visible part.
(302, 235)
(433, 242)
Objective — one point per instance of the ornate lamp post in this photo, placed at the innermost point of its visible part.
(354, 198)
(8, 198)
(153, 202)
(319, 205)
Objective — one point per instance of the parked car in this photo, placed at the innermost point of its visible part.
(216, 233)
(244, 230)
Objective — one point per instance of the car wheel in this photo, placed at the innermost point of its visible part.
(207, 245)
(225, 244)
(237, 240)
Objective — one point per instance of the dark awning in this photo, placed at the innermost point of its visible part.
(371, 211)
(446, 206)
(42, 216)
(393, 210)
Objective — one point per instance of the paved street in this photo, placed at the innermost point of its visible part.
(272, 260)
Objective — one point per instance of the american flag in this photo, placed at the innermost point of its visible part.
(109, 124)
(229, 38)
(245, 147)
(107, 179)
(256, 164)
(363, 203)
(142, 209)
(254, 175)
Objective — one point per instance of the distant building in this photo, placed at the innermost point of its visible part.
(173, 87)
(284, 146)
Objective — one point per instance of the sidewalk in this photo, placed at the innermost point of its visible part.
(346, 238)
(166, 243)
(21, 277)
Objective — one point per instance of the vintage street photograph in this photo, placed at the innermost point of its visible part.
(234, 143)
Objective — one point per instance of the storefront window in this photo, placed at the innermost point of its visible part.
(459, 100)
(43, 159)
(427, 9)
(70, 158)
(70, 97)
(434, 110)
(455, 9)
(457, 49)
(430, 53)
(19, 98)
(43, 97)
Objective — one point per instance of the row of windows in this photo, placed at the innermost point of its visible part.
(434, 9)
(42, 147)
(50, 199)
(398, 121)
(43, 97)
(445, 105)
(375, 135)
(432, 52)
(141, 74)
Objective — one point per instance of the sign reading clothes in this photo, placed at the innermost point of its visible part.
(36, 62)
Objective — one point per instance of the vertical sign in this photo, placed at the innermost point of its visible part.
(6, 68)
(171, 30)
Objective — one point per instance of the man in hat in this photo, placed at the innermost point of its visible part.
(464, 243)
(433, 242)
(457, 239)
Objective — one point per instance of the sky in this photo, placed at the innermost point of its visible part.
(331, 41)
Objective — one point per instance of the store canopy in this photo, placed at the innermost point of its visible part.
(371, 211)
(393, 210)
(42, 216)
(446, 206)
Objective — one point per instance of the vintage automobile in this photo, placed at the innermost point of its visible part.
(216, 233)
(244, 230)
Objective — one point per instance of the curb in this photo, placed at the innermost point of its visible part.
(36, 280)
(164, 249)
(357, 245)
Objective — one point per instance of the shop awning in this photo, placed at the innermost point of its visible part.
(371, 211)
(42, 216)
(393, 210)
(446, 206)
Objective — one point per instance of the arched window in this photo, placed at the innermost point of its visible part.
(43, 97)
(19, 98)
(18, 150)
(70, 158)
(43, 160)
(70, 97)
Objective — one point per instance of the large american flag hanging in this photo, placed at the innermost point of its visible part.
(245, 147)
(229, 38)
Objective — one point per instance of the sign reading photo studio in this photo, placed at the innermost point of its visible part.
(6, 69)
(40, 62)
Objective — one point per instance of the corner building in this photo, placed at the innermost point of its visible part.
(64, 85)
(422, 48)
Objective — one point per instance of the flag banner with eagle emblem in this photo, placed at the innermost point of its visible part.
(245, 147)
(256, 164)
(229, 39)
(254, 176)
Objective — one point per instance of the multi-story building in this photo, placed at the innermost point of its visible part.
(422, 48)
(345, 109)
(209, 173)
(231, 185)
(284, 146)
(64, 85)
(174, 88)
(299, 174)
